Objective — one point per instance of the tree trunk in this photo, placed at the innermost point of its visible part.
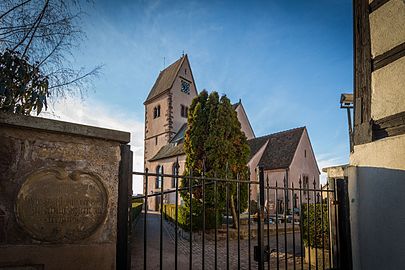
(234, 214)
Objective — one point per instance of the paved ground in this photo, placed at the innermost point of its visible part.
(168, 252)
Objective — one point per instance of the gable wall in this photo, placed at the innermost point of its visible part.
(302, 165)
(252, 164)
(244, 122)
(180, 98)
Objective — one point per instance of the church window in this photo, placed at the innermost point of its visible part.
(185, 87)
(159, 177)
(305, 153)
(174, 172)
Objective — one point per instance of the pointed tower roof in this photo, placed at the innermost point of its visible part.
(165, 79)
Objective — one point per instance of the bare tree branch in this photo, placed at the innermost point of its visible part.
(14, 8)
(93, 72)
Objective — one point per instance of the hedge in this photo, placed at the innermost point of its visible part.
(136, 210)
(169, 211)
(320, 230)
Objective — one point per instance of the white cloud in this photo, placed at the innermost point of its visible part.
(96, 113)
(329, 160)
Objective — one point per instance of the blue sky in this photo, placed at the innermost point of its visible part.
(287, 60)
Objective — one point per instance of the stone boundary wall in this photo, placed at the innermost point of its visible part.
(58, 194)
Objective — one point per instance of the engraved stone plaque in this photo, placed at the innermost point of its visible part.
(55, 206)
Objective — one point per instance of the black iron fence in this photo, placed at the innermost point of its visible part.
(284, 226)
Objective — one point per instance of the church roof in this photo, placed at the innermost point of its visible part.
(280, 149)
(179, 137)
(278, 154)
(165, 79)
(169, 150)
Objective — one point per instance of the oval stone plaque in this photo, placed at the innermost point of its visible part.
(54, 206)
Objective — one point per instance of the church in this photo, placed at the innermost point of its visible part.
(286, 154)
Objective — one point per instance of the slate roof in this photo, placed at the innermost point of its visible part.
(169, 150)
(165, 79)
(179, 137)
(280, 149)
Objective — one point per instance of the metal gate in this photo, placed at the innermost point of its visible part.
(298, 230)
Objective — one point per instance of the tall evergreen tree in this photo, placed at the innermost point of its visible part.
(215, 146)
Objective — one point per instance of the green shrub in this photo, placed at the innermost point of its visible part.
(169, 211)
(321, 231)
(136, 210)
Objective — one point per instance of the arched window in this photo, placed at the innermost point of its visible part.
(159, 178)
(174, 172)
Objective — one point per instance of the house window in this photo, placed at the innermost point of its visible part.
(184, 111)
(156, 111)
(174, 172)
(185, 87)
(159, 177)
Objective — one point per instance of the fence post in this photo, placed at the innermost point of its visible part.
(345, 246)
(260, 221)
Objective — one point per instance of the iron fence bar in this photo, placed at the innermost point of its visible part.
(301, 227)
(216, 225)
(249, 211)
(144, 221)
(196, 177)
(203, 232)
(305, 189)
(268, 221)
(335, 197)
(176, 214)
(238, 213)
(315, 229)
(293, 221)
(227, 226)
(170, 191)
(285, 223)
(161, 225)
(308, 233)
(191, 224)
(329, 228)
(323, 235)
(260, 220)
(277, 247)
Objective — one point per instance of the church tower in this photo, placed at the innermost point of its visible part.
(166, 107)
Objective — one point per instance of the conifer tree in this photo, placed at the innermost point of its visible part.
(215, 146)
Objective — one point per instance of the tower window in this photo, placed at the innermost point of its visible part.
(305, 153)
(156, 111)
(156, 140)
